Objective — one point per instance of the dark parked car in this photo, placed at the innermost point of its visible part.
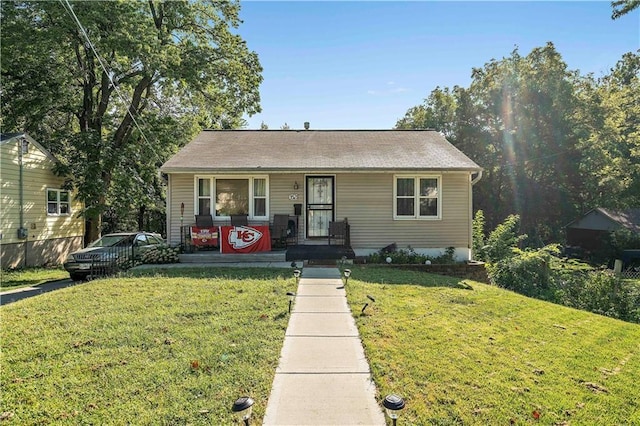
(110, 252)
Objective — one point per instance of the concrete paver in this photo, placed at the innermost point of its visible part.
(323, 399)
(327, 324)
(331, 304)
(320, 290)
(323, 377)
(322, 355)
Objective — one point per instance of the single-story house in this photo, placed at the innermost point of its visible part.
(409, 187)
(591, 231)
(38, 224)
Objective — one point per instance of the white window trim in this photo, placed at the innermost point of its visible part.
(416, 196)
(212, 191)
(58, 202)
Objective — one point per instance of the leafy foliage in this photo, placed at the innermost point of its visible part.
(114, 88)
(478, 236)
(161, 254)
(503, 240)
(553, 144)
(625, 239)
(542, 274)
(622, 7)
(526, 272)
(409, 256)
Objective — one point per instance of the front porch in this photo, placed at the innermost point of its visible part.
(296, 253)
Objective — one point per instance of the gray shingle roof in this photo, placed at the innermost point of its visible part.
(308, 150)
(629, 218)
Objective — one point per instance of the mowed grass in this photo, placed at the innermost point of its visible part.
(29, 277)
(465, 353)
(174, 347)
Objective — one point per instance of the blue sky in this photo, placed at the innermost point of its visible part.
(361, 65)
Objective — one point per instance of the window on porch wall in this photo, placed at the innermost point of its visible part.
(232, 196)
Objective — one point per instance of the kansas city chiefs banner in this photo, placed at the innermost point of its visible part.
(245, 239)
(204, 236)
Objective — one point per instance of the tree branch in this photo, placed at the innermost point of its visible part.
(121, 134)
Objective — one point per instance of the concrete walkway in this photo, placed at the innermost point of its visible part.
(323, 377)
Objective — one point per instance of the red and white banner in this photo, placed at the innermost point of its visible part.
(204, 237)
(245, 239)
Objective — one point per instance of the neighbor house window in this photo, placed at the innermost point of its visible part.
(417, 197)
(58, 202)
(232, 196)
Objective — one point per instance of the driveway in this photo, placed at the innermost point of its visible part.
(11, 296)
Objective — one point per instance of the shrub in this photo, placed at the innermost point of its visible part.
(478, 236)
(161, 254)
(543, 275)
(601, 292)
(409, 256)
(526, 272)
(503, 240)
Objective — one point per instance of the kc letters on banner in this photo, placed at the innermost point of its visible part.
(245, 239)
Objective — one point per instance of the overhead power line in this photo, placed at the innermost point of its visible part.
(67, 6)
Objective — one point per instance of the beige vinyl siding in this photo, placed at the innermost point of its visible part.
(367, 201)
(180, 191)
(281, 187)
(37, 177)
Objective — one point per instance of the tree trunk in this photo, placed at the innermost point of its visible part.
(141, 212)
(95, 223)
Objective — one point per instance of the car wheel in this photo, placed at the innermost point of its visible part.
(77, 277)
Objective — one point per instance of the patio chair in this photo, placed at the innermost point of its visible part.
(204, 221)
(280, 229)
(337, 233)
(239, 220)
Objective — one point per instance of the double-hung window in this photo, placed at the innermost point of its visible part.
(58, 202)
(230, 195)
(417, 197)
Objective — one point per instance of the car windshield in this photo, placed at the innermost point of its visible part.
(111, 240)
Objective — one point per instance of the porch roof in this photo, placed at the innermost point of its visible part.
(317, 150)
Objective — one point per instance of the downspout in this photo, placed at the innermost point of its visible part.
(477, 178)
(473, 181)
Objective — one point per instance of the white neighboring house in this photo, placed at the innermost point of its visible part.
(38, 220)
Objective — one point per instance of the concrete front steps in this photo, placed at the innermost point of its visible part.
(216, 257)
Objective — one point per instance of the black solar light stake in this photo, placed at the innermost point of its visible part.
(242, 409)
(296, 273)
(291, 297)
(367, 304)
(393, 404)
(347, 274)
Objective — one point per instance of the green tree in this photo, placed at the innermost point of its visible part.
(611, 141)
(622, 7)
(113, 88)
(478, 236)
(518, 121)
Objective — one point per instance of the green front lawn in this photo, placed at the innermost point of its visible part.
(29, 277)
(178, 346)
(175, 348)
(469, 353)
